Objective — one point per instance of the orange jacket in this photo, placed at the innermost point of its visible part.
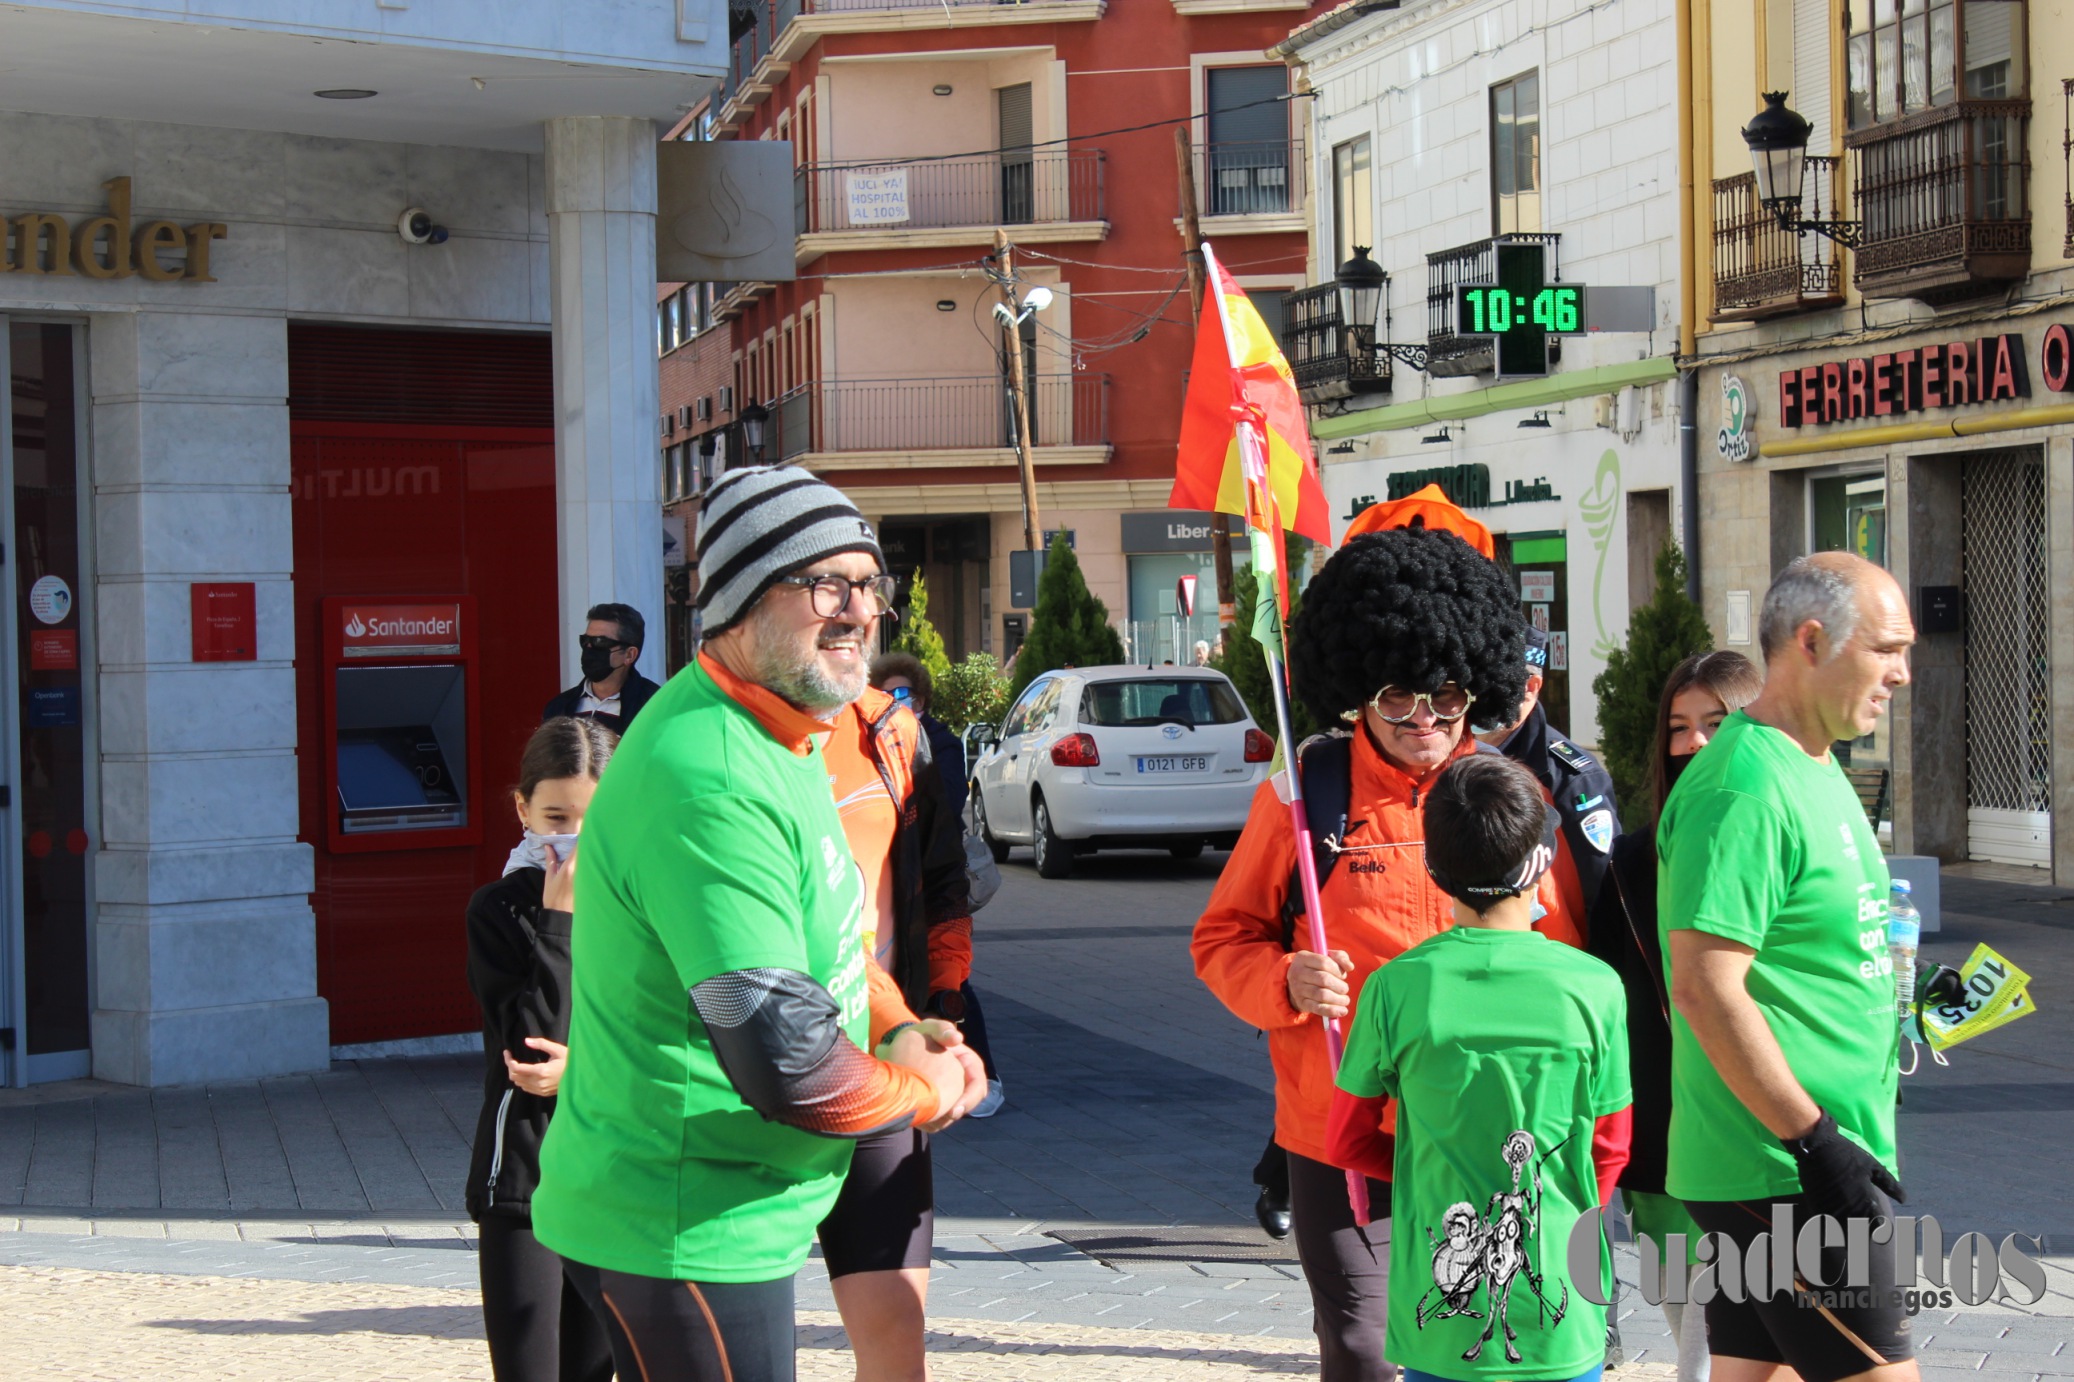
(1378, 903)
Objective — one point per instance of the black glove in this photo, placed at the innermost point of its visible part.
(1838, 1175)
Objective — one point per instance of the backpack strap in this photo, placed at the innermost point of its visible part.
(1326, 765)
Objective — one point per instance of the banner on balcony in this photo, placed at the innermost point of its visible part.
(878, 196)
(723, 211)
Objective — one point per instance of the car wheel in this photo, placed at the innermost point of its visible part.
(1054, 855)
(1193, 849)
(995, 847)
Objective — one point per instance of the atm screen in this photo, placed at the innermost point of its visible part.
(400, 755)
(392, 769)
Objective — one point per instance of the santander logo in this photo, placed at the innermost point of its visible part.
(372, 629)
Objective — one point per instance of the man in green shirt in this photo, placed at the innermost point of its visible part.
(729, 1037)
(1774, 903)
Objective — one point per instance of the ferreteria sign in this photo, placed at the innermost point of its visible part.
(1927, 379)
(110, 246)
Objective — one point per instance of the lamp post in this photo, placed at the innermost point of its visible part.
(1778, 140)
(1361, 287)
(752, 418)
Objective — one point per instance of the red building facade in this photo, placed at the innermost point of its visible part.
(917, 131)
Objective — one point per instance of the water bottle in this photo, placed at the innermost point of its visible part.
(1904, 934)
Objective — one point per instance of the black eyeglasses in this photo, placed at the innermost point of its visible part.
(832, 593)
(592, 642)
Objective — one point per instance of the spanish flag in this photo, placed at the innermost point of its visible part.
(1238, 371)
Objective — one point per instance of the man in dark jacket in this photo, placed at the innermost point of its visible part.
(612, 692)
(1580, 790)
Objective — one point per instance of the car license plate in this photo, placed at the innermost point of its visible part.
(1191, 764)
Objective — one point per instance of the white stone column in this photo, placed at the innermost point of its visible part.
(601, 250)
(204, 943)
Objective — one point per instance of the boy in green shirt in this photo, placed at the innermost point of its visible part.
(1506, 1056)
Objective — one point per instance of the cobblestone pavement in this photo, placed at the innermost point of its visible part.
(211, 1229)
(175, 1328)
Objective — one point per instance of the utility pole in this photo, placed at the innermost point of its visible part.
(1192, 260)
(1019, 388)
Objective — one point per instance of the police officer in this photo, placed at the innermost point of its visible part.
(1573, 781)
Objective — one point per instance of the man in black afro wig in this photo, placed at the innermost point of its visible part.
(1409, 607)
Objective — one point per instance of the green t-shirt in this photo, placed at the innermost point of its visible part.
(1502, 1049)
(1762, 844)
(709, 847)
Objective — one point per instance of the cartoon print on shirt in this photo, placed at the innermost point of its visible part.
(1493, 1252)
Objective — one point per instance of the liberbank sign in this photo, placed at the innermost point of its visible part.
(108, 246)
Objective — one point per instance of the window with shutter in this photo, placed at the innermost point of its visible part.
(1248, 156)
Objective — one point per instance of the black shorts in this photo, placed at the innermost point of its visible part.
(1823, 1333)
(885, 1217)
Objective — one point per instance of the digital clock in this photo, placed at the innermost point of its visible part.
(1497, 310)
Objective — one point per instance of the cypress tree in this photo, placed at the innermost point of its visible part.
(1243, 661)
(918, 637)
(1069, 627)
(1661, 634)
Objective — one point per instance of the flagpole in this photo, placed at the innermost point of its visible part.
(1299, 819)
(1263, 520)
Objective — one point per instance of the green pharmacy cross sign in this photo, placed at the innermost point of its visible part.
(1520, 311)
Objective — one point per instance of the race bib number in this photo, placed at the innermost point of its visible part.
(1993, 993)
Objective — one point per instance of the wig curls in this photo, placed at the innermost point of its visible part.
(1410, 607)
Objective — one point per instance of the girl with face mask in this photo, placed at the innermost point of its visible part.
(538, 1327)
(1700, 694)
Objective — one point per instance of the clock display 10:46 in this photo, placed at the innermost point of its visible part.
(1494, 311)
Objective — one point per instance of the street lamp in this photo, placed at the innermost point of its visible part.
(1778, 140)
(1361, 282)
(753, 417)
(1361, 286)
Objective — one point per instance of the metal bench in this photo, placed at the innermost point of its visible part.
(1871, 786)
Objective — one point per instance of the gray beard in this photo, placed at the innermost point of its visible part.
(801, 681)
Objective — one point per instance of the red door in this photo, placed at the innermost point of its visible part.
(407, 509)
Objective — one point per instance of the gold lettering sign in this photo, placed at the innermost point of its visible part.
(107, 247)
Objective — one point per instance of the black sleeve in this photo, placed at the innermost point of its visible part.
(949, 752)
(946, 890)
(522, 984)
(778, 1036)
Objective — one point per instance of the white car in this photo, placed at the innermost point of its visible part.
(1119, 757)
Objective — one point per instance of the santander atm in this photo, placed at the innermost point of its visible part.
(398, 721)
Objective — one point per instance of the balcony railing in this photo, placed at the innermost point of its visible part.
(1945, 200)
(1021, 187)
(1477, 262)
(1760, 268)
(769, 19)
(969, 414)
(1251, 179)
(1329, 360)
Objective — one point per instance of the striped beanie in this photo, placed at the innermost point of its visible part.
(765, 522)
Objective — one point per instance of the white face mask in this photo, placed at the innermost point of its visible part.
(537, 851)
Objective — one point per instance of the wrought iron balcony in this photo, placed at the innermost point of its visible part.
(1945, 200)
(767, 20)
(908, 415)
(1762, 269)
(1262, 178)
(1029, 187)
(1476, 262)
(1329, 359)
